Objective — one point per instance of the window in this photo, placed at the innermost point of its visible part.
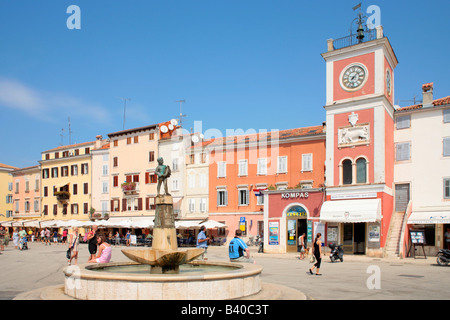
(243, 168)
(54, 172)
(84, 168)
(203, 205)
(27, 206)
(45, 191)
(403, 122)
(151, 136)
(347, 172)
(27, 186)
(74, 170)
(45, 173)
(115, 205)
(105, 169)
(243, 197)
(104, 207)
(175, 185)
(222, 198)
(446, 116)
(64, 171)
(115, 161)
(105, 187)
(151, 156)
(402, 151)
(136, 139)
(175, 164)
(86, 188)
(55, 209)
(191, 181)
(447, 188)
(191, 205)
(74, 208)
(203, 158)
(221, 169)
(446, 147)
(45, 210)
(202, 180)
(282, 164)
(262, 166)
(36, 205)
(75, 189)
(361, 170)
(307, 162)
(129, 140)
(116, 143)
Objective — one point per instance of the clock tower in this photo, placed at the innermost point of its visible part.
(359, 142)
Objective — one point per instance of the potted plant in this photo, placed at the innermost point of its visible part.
(128, 186)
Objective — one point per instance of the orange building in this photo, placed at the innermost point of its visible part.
(242, 166)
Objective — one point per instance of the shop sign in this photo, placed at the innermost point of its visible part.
(295, 195)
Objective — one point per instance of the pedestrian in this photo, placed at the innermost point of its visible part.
(55, 237)
(92, 242)
(317, 252)
(73, 245)
(447, 238)
(42, 235)
(128, 237)
(47, 236)
(16, 238)
(237, 247)
(202, 241)
(301, 246)
(2, 238)
(64, 236)
(104, 250)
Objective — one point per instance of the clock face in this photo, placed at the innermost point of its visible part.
(353, 77)
(388, 82)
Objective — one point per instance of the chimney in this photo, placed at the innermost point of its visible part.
(427, 94)
(98, 142)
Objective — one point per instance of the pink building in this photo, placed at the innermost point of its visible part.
(26, 193)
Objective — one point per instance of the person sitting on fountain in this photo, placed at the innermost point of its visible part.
(104, 251)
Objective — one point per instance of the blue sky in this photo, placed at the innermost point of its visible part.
(239, 64)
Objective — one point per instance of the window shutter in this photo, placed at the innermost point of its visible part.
(447, 116)
(446, 147)
(140, 204)
(124, 204)
(147, 203)
(226, 197)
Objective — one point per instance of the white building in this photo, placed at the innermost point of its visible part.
(101, 178)
(422, 166)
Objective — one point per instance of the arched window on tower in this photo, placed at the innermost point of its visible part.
(347, 172)
(361, 170)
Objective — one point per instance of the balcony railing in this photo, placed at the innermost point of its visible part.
(352, 39)
(130, 187)
(62, 196)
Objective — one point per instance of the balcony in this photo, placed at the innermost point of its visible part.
(130, 188)
(62, 196)
(351, 40)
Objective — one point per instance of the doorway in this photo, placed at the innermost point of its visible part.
(354, 238)
(295, 228)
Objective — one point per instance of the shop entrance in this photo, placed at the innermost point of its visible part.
(354, 238)
(296, 225)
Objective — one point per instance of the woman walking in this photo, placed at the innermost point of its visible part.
(317, 252)
(73, 245)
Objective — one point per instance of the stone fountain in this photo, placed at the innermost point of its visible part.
(165, 256)
(164, 278)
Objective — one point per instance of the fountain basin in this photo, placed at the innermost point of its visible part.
(216, 281)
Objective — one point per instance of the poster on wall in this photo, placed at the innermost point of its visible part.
(374, 233)
(332, 234)
(274, 233)
(292, 227)
(309, 232)
(319, 228)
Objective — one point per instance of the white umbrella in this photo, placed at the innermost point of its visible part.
(31, 223)
(186, 224)
(211, 224)
(142, 223)
(49, 223)
(7, 223)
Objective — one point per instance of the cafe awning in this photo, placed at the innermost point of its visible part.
(351, 211)
(429, 217)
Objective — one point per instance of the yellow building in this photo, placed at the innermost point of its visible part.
(6, 192)
(66, 182)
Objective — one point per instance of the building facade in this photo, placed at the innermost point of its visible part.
(422, 178)
(101, 180)
(66, 176)
(6, 192)
(27, 196)
(241, 168)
